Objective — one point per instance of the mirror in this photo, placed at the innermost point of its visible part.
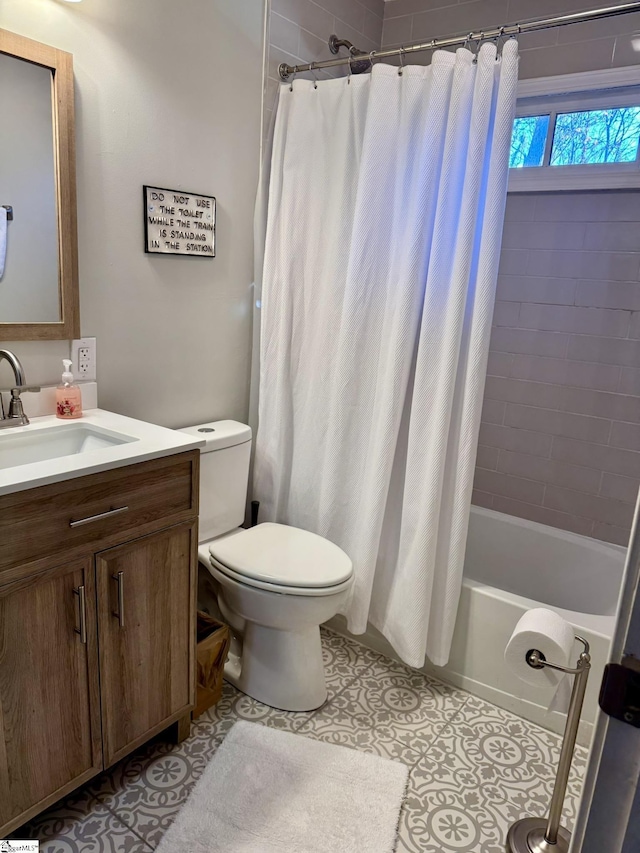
(39, 284)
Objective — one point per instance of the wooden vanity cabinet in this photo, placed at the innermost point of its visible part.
(145, 628)
(49, 699)
(97, 640)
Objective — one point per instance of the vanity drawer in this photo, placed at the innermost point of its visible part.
(98, 510)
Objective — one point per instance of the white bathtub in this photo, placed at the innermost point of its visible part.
(512, 565)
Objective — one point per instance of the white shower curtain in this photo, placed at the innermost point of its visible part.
(385, 211)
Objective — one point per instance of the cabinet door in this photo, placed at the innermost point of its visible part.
(146, 610)
(49, 706)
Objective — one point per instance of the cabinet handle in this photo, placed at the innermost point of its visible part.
(98, 517)
(82, 607)
(119, 578)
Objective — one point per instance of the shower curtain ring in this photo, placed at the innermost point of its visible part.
(478, 45)
(401, 56)
(315, 79)
(349, 60)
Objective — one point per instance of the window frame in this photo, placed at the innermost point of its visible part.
(617, 87)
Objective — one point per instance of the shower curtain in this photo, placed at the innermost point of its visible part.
(384, 220)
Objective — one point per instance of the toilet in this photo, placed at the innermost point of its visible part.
(275, 584)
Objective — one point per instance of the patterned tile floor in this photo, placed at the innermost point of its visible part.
(474, 767)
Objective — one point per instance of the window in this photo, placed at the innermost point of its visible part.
(528, 141)
(585, 140)
(596, 136)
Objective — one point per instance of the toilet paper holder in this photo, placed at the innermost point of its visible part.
(540, 835)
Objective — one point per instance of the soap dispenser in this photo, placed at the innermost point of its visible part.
(68, 395)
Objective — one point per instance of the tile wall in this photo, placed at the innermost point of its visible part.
(580, 47)
(299, 31)
(560, 438)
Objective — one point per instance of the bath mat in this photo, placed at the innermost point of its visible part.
(267, 791)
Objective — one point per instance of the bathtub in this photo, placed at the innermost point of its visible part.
(512, 565)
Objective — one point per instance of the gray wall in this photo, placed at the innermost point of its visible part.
(161, 99)
(581, 47)
(299, 30)
(560, 438)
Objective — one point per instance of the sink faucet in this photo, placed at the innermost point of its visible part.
(15, 415)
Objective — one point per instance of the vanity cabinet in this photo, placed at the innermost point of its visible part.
(97, 625)
(144, 631)
(50, 708)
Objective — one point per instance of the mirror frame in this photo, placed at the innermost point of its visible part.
(60, 64)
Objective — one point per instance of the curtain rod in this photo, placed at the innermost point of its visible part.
(529, 26)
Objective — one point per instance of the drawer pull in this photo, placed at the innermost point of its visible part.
(82, 608)
(119, 579)
(98, 517)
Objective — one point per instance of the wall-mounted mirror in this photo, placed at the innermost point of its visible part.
(38, 232)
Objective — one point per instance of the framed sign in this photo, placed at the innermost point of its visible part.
(179, 223)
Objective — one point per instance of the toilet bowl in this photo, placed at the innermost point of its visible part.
(275, 584)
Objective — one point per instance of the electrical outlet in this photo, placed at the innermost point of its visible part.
(83, 356)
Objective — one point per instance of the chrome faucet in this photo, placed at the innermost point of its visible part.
(15, 416)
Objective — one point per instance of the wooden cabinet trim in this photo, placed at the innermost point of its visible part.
(45, 513)
(53, 798)
(150, 733)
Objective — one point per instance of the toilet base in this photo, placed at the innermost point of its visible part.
(282, 669)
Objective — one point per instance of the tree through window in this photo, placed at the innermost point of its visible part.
(596, 136)
(528, 141)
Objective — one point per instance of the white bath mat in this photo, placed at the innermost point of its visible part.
(268, 791)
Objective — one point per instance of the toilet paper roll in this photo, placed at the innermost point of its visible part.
(550, 634)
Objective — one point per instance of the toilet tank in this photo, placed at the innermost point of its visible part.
(224, 475)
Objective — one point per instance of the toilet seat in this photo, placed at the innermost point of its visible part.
(282, 559)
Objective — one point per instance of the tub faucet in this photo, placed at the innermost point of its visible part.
(15, 416)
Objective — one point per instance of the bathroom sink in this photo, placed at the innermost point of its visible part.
(39, 445)
(49, 450)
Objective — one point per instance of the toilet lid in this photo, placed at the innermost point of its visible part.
(288, 556)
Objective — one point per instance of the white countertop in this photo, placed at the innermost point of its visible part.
(149, 442)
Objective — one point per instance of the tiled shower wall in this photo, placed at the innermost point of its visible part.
(564, 50)
(299, 31)
(560, 438)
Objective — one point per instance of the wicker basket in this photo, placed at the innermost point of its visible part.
(213, 641)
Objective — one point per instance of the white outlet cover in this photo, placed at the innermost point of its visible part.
(83, 356)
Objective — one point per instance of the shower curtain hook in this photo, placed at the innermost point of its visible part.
(293, 77)
(478, 42)
(499, 42)
(468, 41)
(401, 55)
(315, 79)
(349, 60)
